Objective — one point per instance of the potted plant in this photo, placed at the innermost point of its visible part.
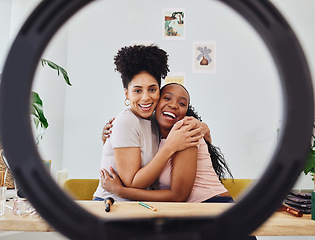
(309, 167)
(37, 112)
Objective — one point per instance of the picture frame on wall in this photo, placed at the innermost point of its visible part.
(174, 23)
(204, 57)
(175, 77)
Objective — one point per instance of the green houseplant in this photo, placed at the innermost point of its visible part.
(309, 167)
(37, 112)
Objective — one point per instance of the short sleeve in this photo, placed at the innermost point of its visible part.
(126, 131)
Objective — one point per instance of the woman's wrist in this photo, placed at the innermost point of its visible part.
(121, 191)
(168, 150)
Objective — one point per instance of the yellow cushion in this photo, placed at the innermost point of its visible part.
(81, 189)
(236, 186)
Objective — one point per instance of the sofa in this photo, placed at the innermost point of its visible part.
(83, 189)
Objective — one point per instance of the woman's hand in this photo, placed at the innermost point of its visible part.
(110, 181)
(184, 134)
(106, 130)
(205, 131)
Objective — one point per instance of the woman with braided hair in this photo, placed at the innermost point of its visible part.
(189, 174)
(132, 149)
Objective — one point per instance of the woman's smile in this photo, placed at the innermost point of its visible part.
(146, 107)
(169, 115)
(172, 106)
(143, 94)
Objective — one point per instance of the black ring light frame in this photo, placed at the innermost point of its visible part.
(76, 223)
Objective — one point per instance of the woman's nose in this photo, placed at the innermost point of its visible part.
(173, 105)
(146, 96)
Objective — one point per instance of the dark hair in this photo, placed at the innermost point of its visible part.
(135, 59)
(174, 83)
(219, 164)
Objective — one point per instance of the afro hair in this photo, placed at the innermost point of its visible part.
(132, 60)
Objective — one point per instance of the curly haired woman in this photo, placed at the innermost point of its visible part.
(132, 149)
(191, 175)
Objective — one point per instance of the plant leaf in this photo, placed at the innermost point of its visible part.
(52, 65)
(36, 99)
(37, 111)
(310, 163)
(58, 69)
(65, 76)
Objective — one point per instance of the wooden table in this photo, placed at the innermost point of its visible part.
(279, 224)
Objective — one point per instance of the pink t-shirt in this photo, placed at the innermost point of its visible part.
(207, 183)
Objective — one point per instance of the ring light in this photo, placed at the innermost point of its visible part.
(76, 223)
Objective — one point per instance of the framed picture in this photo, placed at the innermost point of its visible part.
(174, 23)
(174, 77)
(204, 56)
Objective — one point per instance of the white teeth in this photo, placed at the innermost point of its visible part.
(146, 106)
(170, 114)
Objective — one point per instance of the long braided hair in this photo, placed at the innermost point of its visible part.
(219, 164)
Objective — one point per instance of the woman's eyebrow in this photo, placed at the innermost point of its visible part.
(136, 86)
(173, 95)
(168, 93)
(184, 98)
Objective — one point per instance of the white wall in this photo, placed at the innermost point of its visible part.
(5, 7)
(232, 101)
(50, 87)
(241, 102)
(300, 16)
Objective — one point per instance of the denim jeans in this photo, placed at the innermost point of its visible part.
(98, 199)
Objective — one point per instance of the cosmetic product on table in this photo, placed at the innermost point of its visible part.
(108, 202)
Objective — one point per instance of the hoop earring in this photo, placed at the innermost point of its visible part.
(127, 104)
